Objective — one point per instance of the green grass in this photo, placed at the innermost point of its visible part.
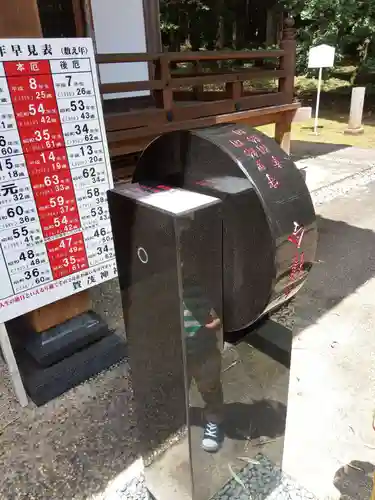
(335, 104)
(331, 131)
(334, 113)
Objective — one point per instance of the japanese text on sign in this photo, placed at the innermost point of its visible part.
(298, 262)
(55, 233)
(252, 147)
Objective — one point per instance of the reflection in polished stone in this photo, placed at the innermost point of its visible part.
(255, 390)
(169, 257)
(201, 274)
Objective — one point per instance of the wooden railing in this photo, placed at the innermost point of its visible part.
(185, 87)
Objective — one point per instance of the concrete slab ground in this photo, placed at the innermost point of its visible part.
(337, 169)
(330, 443)
(74, 446)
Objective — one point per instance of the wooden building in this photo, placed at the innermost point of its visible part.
(147, 91)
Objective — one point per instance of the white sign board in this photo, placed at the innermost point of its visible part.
(321, 56)
(55, 233)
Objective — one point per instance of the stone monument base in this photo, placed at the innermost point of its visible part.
(354, 131)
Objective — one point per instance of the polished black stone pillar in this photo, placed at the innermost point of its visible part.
(168, 246)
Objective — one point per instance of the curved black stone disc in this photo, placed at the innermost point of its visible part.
(270, 233)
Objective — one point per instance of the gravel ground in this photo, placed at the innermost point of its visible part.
(71, 447)
(345, 169)
(106, 300)
(358, 180)
(261, 480)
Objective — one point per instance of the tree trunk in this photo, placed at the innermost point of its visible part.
(363, 57)
(234, 34)
(220, 36)
(220, 32)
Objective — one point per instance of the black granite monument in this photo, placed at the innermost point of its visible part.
(269, 223)
(216, 230)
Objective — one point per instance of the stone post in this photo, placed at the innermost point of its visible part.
(356, 111)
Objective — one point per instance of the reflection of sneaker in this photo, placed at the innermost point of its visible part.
(211, 438)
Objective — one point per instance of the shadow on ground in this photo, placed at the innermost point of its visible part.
(355, 480)
(345, 262)
(301, 150)
(262, 418)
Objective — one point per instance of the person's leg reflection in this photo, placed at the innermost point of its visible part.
(205, 368)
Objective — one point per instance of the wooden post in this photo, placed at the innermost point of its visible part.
(19, 19)
(151, 9)
(151, 12)
(6, 348)
(286, 85)
(79, 18)
(234, 90)
(198, 89)
(164, 97)
(283, 130)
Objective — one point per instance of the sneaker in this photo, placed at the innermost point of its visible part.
(211, 438)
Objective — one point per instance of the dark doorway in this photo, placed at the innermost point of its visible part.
(61, 18)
